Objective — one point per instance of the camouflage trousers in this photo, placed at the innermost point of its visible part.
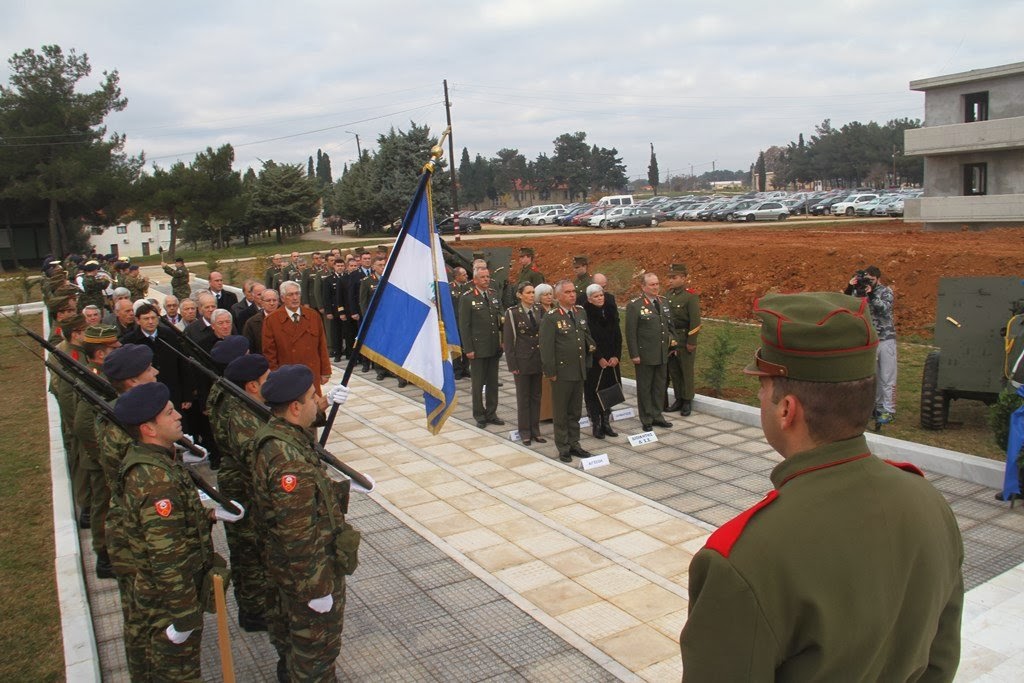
(133, 628)
(309, 642)
(164, 661)
(248, 573)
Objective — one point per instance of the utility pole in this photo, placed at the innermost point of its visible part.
(359, 150)
(451, 161)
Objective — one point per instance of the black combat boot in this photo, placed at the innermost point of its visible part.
(251, 621)
(103, 568)
(606, 424)
(596, 426)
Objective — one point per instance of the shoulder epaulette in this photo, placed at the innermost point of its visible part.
(907, 467)
(726, 536)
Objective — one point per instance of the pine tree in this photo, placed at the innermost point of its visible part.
(652, 171)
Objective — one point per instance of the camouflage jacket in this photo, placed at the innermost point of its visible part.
(881, 302)
(297, 511)
(138, 285)
(234, 424)
(168, 531)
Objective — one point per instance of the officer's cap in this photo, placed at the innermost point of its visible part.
(229, 348)
(580, 260)
(678, 269)
(814, 337)
(246, 368)
(527, 251)
(359, 251)
(142, 403)
(100, 334)
(286, 384)
(479, 254)
(90, 266)
(128, 361)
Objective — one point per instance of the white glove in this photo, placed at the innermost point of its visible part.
(177, 637)
(361, 489)
(322, 605)
(225, 516)
(338, 395)
(194, 455)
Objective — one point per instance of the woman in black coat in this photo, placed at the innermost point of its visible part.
(603, 317)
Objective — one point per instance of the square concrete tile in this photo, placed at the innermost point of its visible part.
(528, 576)
(546, 544)
(498, 557)
(639, 647)
(578, 561)
(561, 596)
(597, 621)
(649, 602)
(449, 525)
(634, 544)
(474, 539)
(611, 581)
(611, 503)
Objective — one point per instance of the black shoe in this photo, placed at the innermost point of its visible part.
(540, 439)
(686, 408)
(606, 425)
(103, 568)
(481, 424)
(565, 457)
(282, 670)
(337, 359)
(526, 442)
(84, 520)
(676, 405)
(661, 423)
(645, 428)
(366, 368)
(580, 452)
(251, 622)
(381, 375)
(495, 421)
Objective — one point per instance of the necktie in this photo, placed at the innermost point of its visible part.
(295, 317)
(533, 321)
(572, 317)
(657, 307)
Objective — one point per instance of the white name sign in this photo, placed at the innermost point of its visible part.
(514, 435)
(594, 461)
(584, 422)
(642, 438)
(623, 414)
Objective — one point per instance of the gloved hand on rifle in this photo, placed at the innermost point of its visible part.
(225, 516)
(338, 395)
(177, 637)
(193, 455)
(322, 605)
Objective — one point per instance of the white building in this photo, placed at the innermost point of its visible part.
(972, 142)
(132, 239)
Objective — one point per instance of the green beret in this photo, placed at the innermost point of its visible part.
(814, 337)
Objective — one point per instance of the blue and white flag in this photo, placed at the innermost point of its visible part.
(409, 327)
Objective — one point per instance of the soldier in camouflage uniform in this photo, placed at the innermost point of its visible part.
(685, 305)
(168, 531)
(179, 279)
(126, 367)
(136, 283)
(234, 423)
(309, 546)
(99, 340)
(73, 329)
(94, 287)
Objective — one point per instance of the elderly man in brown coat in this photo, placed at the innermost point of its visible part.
(295, 334)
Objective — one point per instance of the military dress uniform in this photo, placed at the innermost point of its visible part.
(650, 336)
(333, 304)
(309, 549)
(849, 569)
(685, 305)
(179, 280)
(565, 351)
(480, 332)
(521, 332)
(531, 274)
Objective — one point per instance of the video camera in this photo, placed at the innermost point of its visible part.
(863, 284)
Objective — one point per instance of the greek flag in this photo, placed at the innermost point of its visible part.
(409, 327)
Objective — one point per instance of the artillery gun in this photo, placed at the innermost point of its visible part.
(979, 332)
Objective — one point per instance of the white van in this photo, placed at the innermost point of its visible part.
(616, 200)
(527, 217)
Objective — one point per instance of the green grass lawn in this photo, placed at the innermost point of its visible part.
(30, 634)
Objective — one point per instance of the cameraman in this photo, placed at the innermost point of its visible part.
(865, 283)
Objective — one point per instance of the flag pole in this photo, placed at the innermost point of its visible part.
(436, 152)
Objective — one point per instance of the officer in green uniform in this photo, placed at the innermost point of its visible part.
(309, 548)
(850, 568)
(99, 340)
(168, 531)
(480, 319)
(94, 286)
(685, 305)
(272, 275)
(233, 425)
(73, 329)
(179, 278)
(459, 284)
(565, 354)
(125, 367)
(651, 339)
(582, 279)
(529, 272)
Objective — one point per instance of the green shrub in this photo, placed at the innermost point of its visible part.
(722, 347)
(999, 415)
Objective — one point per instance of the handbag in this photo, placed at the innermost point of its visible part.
(610, 396)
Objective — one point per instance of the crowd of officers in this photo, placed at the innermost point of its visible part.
(566, 339)
(183, 368)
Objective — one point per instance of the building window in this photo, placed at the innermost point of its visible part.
(975, 179)
(976, 107)
(96, 231)
(146, 227)
(162, 226)
(122, 230)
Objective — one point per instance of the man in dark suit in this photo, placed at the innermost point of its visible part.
(354, 280)
(248, 306)
(253, 330)
(199, 330)
(332, 296)
(225, 299)
(172, 368)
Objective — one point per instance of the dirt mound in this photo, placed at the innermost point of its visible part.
(733, 265)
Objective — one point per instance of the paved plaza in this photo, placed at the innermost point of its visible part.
(483, 559)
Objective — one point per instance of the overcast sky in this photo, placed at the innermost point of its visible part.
(279, 80)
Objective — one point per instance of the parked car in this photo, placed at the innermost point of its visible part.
(869, 208)
(607, 216)
(824, 206)
(543, 218)
(633, 217)
(895, 208)
(728, 212)
(765, 211)
(848, 207)
(466, 225)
